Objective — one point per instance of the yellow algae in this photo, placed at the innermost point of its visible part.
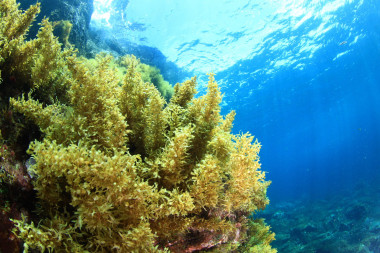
(120, 169)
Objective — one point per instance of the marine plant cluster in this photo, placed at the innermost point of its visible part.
(114, 166)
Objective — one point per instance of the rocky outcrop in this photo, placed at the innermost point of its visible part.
(77, 12)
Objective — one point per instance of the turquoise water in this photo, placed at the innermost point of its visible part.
(303, 76)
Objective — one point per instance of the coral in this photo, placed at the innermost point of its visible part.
(119, 169)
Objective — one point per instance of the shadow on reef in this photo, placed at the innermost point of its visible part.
(111, 165)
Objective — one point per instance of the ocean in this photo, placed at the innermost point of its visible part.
(304, 79)
(94, 158)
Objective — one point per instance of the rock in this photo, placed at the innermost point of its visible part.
(77, 12)
(356, 213)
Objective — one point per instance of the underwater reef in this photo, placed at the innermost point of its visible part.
(344, 222)
(95, 161)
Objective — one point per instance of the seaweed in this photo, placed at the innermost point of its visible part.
(116, 167)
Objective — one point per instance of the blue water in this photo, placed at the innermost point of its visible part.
(303, 77)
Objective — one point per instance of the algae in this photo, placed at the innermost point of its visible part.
(116, 167)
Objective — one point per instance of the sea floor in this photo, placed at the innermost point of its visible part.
(347, 222)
